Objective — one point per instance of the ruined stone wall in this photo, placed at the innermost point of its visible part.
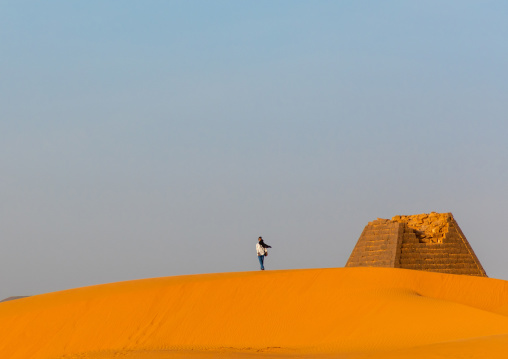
(429, 242)
(428, 228)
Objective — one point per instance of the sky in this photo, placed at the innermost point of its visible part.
(144, 139)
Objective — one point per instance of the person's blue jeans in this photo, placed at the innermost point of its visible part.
(261, 260)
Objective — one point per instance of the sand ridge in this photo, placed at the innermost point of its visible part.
(344, 312)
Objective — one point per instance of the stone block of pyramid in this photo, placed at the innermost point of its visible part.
(430, 242)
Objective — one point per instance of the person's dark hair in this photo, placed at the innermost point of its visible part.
(263, 244)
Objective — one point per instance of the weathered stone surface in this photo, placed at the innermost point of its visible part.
(431, 242)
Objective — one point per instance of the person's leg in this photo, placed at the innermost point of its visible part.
(261, 258)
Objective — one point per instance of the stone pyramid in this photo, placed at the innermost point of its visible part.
(429, 242)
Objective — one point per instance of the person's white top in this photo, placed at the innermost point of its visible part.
(260, 250)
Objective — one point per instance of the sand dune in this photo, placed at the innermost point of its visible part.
(340, 313)
(13, 298)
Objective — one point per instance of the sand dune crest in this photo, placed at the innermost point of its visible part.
(355, 312)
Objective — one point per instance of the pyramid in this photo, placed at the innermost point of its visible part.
(429, 242)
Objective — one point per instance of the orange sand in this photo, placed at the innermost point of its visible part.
(319, 313)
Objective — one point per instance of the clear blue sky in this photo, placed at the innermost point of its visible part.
(155, 138)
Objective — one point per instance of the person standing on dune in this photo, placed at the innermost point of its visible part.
(261, 249)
